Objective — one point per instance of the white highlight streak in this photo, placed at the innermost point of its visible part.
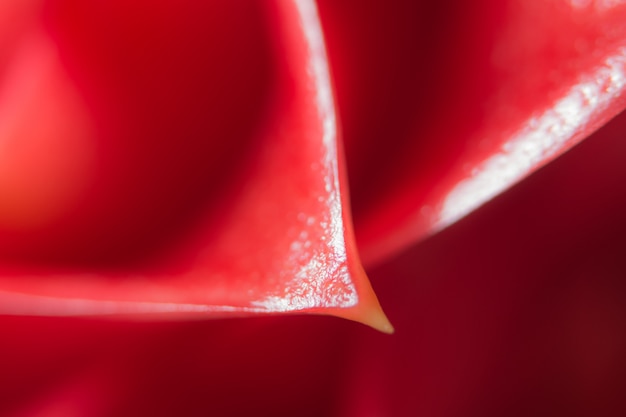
(315, 283)
(539, 140)
(36, 305)
(599, 5)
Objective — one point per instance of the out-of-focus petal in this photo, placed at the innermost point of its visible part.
(91, 393)
(216, 188)
(445, 105)
(278, 366)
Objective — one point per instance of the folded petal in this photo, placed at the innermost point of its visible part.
(216, 188)
(445, 105)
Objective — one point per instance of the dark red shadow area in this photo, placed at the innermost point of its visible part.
(520, 308)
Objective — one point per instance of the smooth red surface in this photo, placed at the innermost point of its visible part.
(172, 126)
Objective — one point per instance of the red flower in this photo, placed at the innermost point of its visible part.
(165, 162)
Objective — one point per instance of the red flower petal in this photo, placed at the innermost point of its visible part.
(174, 106)
(446, 105)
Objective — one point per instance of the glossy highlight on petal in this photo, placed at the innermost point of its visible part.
(542, 138)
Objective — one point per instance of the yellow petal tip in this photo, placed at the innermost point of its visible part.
(369, 314)
(379, 321)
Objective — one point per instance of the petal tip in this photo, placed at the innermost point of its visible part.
(370, 314)
(368, 310)
(377, 320)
